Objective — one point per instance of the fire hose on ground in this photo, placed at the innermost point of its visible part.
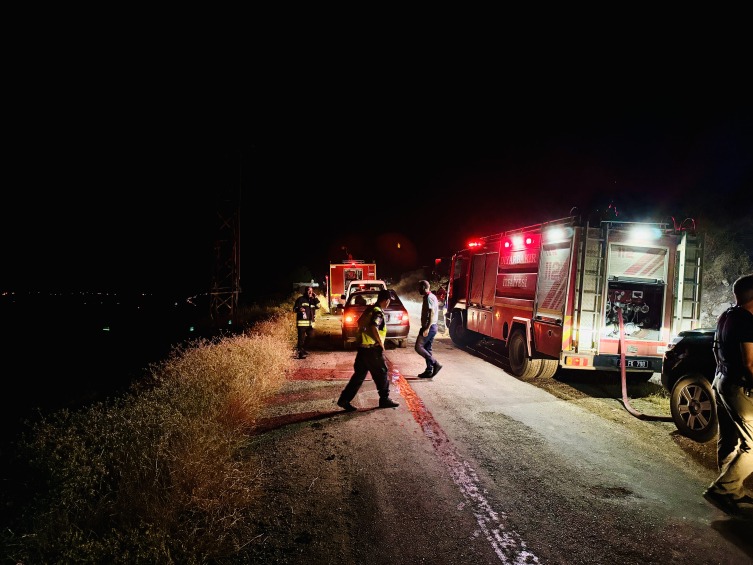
(623, 374)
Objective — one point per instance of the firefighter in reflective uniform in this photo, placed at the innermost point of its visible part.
(370, 356)
(305, 309)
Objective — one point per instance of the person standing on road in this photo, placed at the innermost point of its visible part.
(370, 356)
(428, 330)
(305, 309)
(733, 391)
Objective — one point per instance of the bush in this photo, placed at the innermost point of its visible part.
(727, 256)
(157, 475)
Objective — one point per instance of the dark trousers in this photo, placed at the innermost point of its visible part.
(304, 332)
(368, 360)
(726, 440)
(424, 346)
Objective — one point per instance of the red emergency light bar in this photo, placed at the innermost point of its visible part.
(473, 243)
(518, 241)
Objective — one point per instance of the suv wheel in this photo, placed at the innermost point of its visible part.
(693, 408)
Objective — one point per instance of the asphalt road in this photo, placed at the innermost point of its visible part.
(476, 466)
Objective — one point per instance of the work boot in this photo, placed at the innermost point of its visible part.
(347, 406)
(437, 368)
(427, 374)
(387, 403)
(723, 502)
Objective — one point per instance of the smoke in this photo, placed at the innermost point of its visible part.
(407, 289)
(407, 286)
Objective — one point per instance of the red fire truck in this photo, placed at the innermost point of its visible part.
(550, 295)
(342, 273)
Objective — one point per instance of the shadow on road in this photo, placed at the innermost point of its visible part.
(737, 532)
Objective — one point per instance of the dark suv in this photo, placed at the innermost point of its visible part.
(687, 373)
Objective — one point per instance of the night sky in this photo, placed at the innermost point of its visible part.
(125, 198)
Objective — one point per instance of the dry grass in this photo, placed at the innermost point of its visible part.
(158, 475)
(660, 398)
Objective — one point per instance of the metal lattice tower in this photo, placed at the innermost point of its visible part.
(226, 289)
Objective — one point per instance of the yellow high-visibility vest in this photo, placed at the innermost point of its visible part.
(367, 340)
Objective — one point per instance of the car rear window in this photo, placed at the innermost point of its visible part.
(362, 299)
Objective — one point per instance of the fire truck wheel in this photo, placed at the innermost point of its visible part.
(693, 408)
(520, 364)
(548, 368)
(458, 332)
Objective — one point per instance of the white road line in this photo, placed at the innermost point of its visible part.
(506, 543)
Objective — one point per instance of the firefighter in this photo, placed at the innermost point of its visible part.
(441, 300)
(305, 309)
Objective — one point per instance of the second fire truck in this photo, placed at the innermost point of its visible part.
(552, 294)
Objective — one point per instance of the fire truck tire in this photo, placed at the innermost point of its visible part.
(548, 368)
(459, 334)
(521, 365)
(693, 408)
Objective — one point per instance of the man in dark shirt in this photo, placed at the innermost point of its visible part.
(733, 387)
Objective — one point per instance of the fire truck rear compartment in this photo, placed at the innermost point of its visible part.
(641, 305)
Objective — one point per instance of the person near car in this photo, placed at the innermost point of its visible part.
(305, 309)
(370, 357)
(733, 391)
(428, 330)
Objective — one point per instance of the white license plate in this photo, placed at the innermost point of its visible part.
(636, 364)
